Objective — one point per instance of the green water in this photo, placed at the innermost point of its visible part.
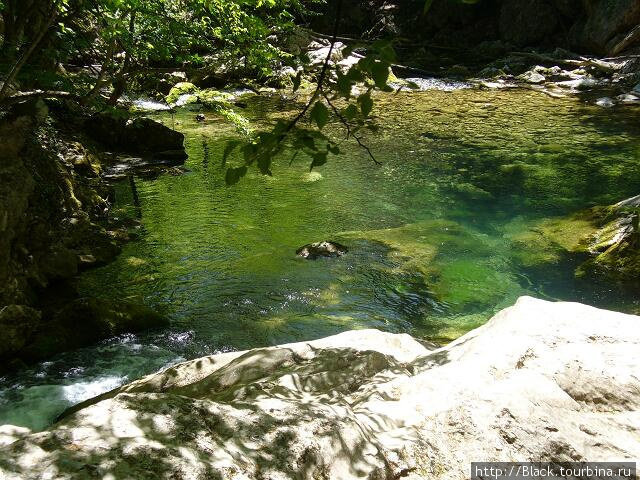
(435, 234)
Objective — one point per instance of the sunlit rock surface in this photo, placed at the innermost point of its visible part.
(540, 381)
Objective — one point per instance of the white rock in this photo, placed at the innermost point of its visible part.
(318, 52)
(539, 381)
(532, 77)
(605, 102)
(629, 98)
(583, 83)
(12, 433)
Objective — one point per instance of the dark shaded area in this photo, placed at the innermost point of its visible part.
(488, 28)
(55, 222)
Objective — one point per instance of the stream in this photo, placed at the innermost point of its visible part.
(435, 234)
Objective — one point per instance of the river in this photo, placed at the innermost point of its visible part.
(438, 234)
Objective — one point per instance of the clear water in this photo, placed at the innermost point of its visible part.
(433, 234)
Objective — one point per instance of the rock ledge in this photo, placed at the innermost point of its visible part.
(540, 381)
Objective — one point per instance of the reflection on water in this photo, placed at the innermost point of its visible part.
(433, 234)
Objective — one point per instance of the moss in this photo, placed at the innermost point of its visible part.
(470, 191)
(179, 89)
(212, 97)
(415, 245)
(547, 241)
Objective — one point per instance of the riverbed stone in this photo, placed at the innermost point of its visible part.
(541, 381)
(532, 77)
(316, 250)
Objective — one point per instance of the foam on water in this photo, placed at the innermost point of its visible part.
(150, 105)
(442, 84)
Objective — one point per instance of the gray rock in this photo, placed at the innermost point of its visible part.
(540, 381)
(629, 98)
(312, 251)
(605, 102)
(532, 77)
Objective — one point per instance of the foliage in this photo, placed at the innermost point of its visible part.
(344, 93)
(129, 37)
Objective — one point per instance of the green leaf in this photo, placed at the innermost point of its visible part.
(350, 112)
(228, 149)
(308, 142)
(366, 104)
(387, 53)
(264, 163)
(249, 152)
(347, 50)
(320, 114)
(344, 85)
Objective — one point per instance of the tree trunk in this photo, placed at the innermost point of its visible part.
(11, 76)
(100, 81)
(120, 83)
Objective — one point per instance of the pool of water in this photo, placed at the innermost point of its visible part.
(435, 234)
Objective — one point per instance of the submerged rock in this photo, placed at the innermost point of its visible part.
(312, 251)
(607, 237)
(562, 386)
(605, 102)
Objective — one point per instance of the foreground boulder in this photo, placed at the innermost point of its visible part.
(540, 381)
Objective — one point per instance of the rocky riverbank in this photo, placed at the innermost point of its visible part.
(56, 220)
(540, 381)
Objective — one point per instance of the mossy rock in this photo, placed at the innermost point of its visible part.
(547, 241)
(212, 97)
(606, 233)
(179, 89)
(18, 324)
(470, 191)
(414, 246)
